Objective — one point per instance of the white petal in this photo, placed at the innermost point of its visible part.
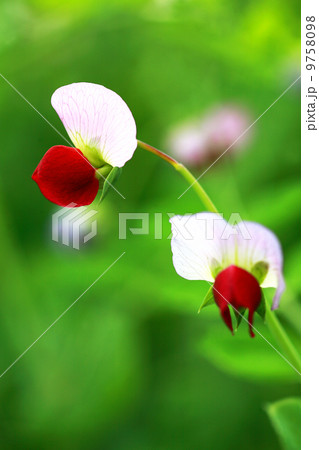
(196, 245)
(97, 119)
(261, 244)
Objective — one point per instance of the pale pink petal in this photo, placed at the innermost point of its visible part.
(97, 120)
(257, 243)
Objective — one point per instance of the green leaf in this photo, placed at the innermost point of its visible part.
(109, 181)
(260, 270)
(208, 300)
(285, 418)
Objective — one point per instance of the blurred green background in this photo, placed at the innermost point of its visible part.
(132, 365)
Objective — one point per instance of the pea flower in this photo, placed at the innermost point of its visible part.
(103, 131)
(201, 142)
(239, 260)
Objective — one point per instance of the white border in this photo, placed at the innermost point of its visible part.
(310, 246)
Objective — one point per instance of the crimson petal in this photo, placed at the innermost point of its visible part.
(65, 176)
(236, 287)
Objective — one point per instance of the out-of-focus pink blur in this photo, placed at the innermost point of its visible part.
(202, 141)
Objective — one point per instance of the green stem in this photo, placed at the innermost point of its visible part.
(282, 338)
(273, 323)
(189, 177)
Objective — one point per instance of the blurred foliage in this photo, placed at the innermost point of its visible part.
(132, 365)
(285, 416)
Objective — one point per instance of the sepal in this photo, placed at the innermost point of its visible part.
(113, 175)
(261, 310)
(208, 300)
(239, 316)
(260, 270)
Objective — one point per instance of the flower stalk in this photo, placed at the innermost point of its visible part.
(189, 177)
(282, 338)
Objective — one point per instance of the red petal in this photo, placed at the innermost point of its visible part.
(65, 176)
(236, 287)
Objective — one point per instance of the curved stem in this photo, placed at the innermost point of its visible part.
(282, 338)
(189, 177)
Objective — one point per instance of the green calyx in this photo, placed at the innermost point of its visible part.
(103, 172)
(106, 182)
(259, 271)
(208, 300)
